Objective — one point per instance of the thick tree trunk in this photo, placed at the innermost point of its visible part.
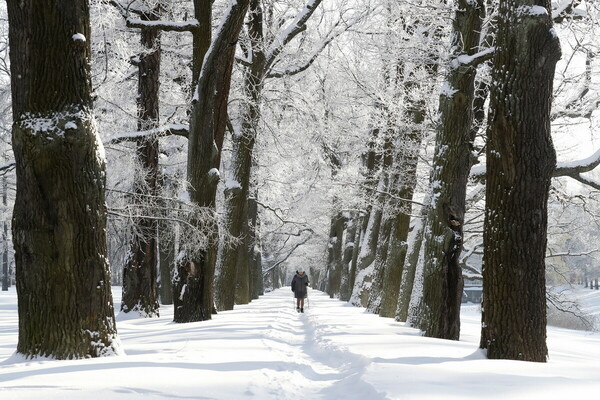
(5, 272)
(234, 256)
(439, 314)
(166, 250)
(253, 248)
(59, 219)
(334, 255)
(140, 289)
(520, 162)
(370, 258)
(348, 256)
(415, 239)
(381, 253)
(195, 273)
(404, 186)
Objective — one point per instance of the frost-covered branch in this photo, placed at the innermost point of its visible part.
(165, 26)
(278, 263)
(567, 8)
(297, 26)
(274, 211)
(168, 130)
(473, 60)
(333, 34)
(576, 167)
(571, 169)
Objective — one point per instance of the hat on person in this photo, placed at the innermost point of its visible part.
(300, 269)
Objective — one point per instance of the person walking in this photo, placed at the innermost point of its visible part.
(300, 288)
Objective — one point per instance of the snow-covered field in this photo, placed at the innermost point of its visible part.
(265, 350)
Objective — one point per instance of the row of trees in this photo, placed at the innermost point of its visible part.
(242, 124)
(67, 248)
(506, 52)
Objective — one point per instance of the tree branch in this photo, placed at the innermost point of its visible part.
(474, 60)
(298, 25)
(165, 26)
(564, 9)
(7, 167)
(168, 130)
(278, 263)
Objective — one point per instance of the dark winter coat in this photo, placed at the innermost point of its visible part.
(300, 285)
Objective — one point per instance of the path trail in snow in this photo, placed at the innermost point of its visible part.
(317, 367)
(265, 350)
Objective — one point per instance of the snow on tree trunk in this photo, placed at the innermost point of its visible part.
(348, 256)
(368, 249)
(334, 255)
(405, 179)
(415, 239)
(195, 272)
(5, 272)
(439, 314)
(234, 273)
(140, 289)
(520, 163)
(59, 230)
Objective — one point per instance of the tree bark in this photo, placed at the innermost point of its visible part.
(520, 163)
(253, 248)
(334, 255)
(140, 289)
(410, 269)
(405, 181)
(195, 273)
(166, 262)
(234, 256)
(439, 314)
(5, 273)
(59, 220)
(348, 255)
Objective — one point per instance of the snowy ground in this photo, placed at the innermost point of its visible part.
(265, 350)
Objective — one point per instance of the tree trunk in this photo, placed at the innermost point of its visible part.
(439, 314)
(59, 220)
(369, 258)
(5, 274)
(415, 239)
(520, 162)
(166, 250)
(348, 256)
(140, 289)
(334, 255)
(253, 248)
(234, 257)
(195, 272)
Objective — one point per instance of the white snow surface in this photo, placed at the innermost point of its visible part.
(265, 350)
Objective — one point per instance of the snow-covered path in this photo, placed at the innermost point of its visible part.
(266, 350)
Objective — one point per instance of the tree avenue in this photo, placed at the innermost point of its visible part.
(59, 220)
(520, 163)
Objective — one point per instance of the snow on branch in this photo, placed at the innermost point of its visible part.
(278, 263)
(567, 8)
(168, 130)
(333, 34)
(296, 26)
(165, 26)
(571, 169)
(475, 59)
(569, 254)
(579, 166)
